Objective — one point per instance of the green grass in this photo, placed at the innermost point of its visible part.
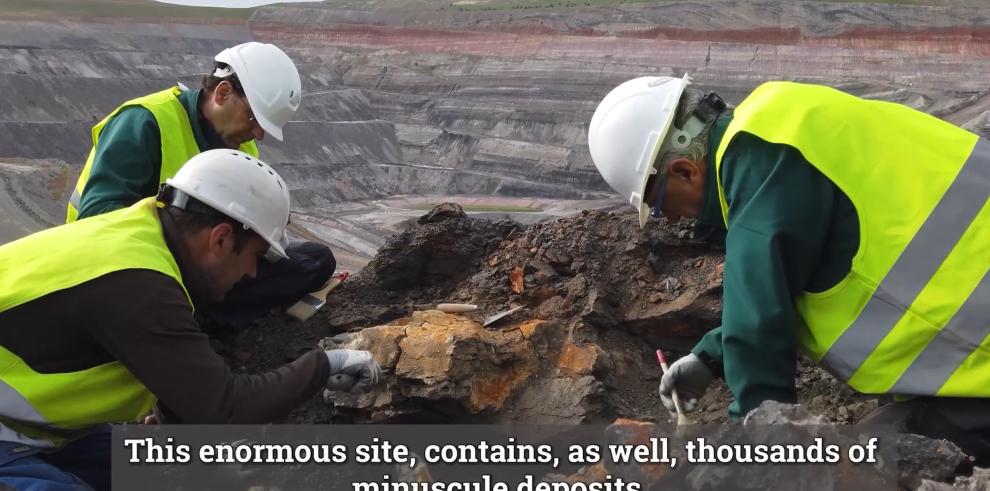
(480, 208)
(114, 8)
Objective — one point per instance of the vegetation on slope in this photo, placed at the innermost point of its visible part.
(114, 8)
(154, 9)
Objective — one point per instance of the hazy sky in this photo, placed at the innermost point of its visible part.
(228, 3)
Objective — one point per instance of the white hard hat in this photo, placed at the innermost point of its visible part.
(629, 127)
(270, 81)
(241, 187)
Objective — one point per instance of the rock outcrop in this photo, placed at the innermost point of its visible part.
(914, 462)
(585, 357)
(447, 367)
(579, 350)
(978, 481)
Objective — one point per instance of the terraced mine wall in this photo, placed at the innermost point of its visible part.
(495, 103)
(509, 93)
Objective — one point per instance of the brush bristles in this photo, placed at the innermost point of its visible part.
(301, 311)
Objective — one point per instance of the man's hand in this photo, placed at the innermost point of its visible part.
(690, 377)
(341, 382)
(352, 370)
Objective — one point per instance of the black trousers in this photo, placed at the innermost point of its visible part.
(963, 421)
(276, 285)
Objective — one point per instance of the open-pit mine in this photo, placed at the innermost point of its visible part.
(418, 103)
(405, 108)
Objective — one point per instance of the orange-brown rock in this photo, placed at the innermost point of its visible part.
(586, 353)
(516, 279)
(578, 359)
(437, 359)
(593, 473)
(633, 432)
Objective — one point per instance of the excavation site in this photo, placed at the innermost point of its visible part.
(441, 152)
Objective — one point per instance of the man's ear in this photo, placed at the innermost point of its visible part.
(221, 238)
(222, 92)
(684, 168)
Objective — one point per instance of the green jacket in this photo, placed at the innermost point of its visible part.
(790, 229)
(128, 157)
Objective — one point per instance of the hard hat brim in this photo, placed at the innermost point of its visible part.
(277, 247)
(266, 124)
(658, 148)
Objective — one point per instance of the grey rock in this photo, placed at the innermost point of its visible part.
(920, 458)
(979, 481)
(544, 274)
(442, 212)
(550, 308)
(576, 286)
(775, 413)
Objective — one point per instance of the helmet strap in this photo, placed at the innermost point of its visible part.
(178, 198)
(661, 192)
(173, 197)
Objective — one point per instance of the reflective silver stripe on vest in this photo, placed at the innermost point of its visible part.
(14, 407)
(943, 355)
(9, 435)
(916, 265)
(75, 198)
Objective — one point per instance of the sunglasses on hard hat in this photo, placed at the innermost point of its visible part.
(240, 92)
(247, 106)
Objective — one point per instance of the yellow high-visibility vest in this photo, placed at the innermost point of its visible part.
(178, 141)
(47, 409)
(913, 314)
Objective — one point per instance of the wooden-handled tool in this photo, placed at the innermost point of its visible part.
(456, 308)
(460, 308)
(313, 302)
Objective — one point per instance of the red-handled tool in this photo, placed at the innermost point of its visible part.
(313, 302)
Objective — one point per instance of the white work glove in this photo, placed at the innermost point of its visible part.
(352, 370)
(690, 377)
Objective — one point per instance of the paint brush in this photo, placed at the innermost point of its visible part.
(313, 302)
(681, 418)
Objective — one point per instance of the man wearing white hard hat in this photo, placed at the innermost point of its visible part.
(854, 230)
(253, 90)
(97, 326)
